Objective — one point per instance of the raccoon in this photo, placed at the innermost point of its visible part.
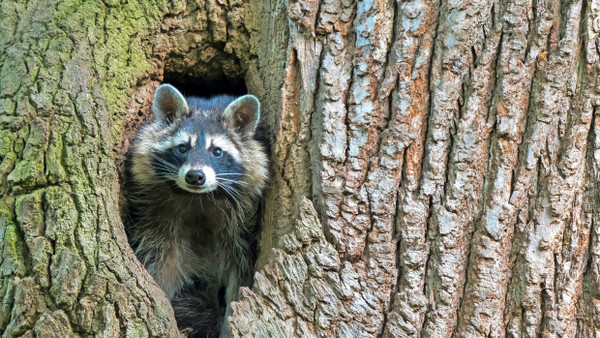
(197, 173)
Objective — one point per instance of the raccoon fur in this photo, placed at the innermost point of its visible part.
(197, 173)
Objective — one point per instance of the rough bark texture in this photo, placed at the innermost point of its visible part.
(435, 164)
(436, 169)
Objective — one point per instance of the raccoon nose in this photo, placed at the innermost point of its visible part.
(195, 177)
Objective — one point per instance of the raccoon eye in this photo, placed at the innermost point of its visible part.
(217, 152)
(182, 148)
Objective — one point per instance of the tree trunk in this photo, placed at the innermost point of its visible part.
(435, 165)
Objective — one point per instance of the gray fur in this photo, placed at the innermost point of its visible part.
(186, 238)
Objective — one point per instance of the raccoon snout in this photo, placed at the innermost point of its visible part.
(195, 177)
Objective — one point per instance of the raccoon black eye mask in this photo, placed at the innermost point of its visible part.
(200, 163)
(197, 175)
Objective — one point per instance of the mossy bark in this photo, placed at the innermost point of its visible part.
(75, 79)
(435, 165)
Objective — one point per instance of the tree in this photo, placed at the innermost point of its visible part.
(435, 165)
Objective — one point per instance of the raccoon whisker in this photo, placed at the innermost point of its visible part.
(228, 178)
(196, 198)
(228, 181)
(190, 202)
(160, 179)
(224, 174)
(229, 186)
(227, 189)
(164, 167)
(163, 162)
(165, 178)
(168, 170)
(230, 191)
(167, 175)
(236, 195)
(154, 156)
(225, 178)
(150, 186)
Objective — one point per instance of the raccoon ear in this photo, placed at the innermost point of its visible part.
(168, 103)
(243, 114)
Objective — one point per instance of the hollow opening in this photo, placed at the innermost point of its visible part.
(188, 57)
(206, 89)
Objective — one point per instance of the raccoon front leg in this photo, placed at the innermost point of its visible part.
(167, 272)
(240, 274)
(231, 295)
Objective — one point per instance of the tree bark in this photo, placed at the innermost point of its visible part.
(435, 165)
(76, 80)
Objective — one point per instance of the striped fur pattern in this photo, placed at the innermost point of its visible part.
(194, 233)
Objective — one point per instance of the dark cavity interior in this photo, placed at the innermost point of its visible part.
(196, 87)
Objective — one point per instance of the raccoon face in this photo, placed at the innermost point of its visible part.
(198, 161)
(202, 150)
